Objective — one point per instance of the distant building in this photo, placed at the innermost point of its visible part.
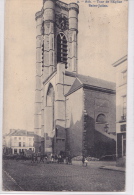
(4, 144)
(19, 141)
(121, 100)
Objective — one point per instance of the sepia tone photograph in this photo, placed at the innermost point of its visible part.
(65, 96)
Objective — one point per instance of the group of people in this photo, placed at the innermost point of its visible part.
(51, 158)
(36, 158)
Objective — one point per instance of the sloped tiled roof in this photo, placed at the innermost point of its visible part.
(19, 132)
(30, 133)
(94, 83)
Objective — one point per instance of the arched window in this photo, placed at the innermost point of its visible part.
(50, 95)
(101, 118)
(50, 103)
(61, 48)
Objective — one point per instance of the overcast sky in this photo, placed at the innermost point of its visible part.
(102, 41)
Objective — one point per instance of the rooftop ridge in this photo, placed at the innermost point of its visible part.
(118, 62)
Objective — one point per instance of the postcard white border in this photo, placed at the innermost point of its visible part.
(130, 107)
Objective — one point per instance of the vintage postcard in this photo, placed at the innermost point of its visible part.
(65, 96)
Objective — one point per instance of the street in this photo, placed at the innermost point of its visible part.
(25, 176)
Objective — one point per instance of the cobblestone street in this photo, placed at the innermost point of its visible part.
(24, 176)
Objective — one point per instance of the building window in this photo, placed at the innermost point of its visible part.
(19, 144)
(124, 144)
(101, 118)
(123, 128)
(61, 48)
(124, 101)
(23, 151)
(15, 151)
(124, 76)
(52, 57)
(19, 138)
(121, 144)
(19, 150)
(52, 43)
(56, 132)
(24, 144)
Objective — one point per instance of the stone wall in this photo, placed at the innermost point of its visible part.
(74, 122)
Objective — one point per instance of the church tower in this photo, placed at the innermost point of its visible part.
(56, 52)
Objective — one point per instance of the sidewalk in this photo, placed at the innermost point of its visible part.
(108, 165)
(113, 168)
(96, 164)
(9, 184)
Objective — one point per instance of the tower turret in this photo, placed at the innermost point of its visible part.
(48, 25)
(38, 88)
(73, 16)
(73, 31)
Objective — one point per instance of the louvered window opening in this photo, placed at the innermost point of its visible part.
(61, 48)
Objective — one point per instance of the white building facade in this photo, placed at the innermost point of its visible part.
(121, 107)
(19, 141)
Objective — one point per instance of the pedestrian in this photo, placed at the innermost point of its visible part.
(52, 158)
(55, 158)
(83, 160)
(66, 159)
(32, 158)
(59, 158)
(86, 162)
(45, 158)
(69, 160)
(38, 157)
(42, 158)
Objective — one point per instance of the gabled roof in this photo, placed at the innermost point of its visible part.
(19, 132)
(91, 83)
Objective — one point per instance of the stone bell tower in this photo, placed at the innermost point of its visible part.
(56, 42)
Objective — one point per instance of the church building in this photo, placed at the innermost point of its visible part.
(74, 114)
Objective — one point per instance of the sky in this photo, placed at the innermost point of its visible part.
(102, 40)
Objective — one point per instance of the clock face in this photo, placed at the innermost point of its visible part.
(62, 22)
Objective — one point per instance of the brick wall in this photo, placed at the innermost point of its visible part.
(98, 142)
